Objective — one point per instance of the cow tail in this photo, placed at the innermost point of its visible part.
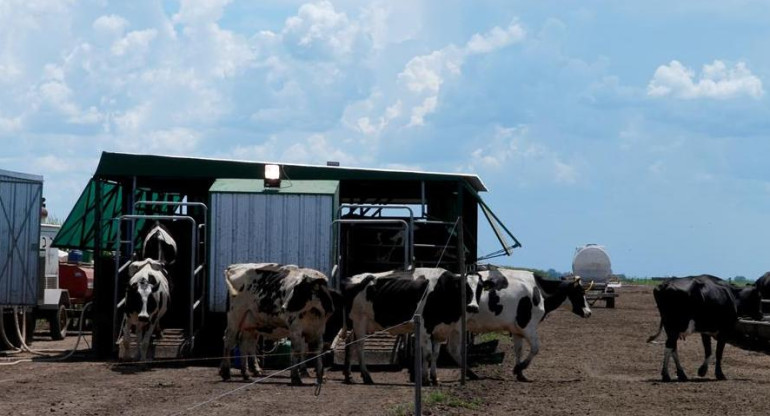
(657, 334)
(230, 288)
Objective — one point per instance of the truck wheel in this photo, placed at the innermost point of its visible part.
(59, 323)
(610, 303)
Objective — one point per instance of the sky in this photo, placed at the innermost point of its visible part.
(642, 126)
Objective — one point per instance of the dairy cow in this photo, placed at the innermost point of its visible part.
(763, 284)
(144, 304)
(378, 301)
(158, 244)
(275, 302)
(703, 304)
(516, 301)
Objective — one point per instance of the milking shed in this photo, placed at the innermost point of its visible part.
(338, 220)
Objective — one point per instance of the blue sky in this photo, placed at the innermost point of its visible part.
(639, 125)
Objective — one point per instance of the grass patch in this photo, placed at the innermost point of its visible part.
(491, 336)
(438, 397)
(433, 399)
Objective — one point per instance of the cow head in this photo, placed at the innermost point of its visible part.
(576, 294)
(473, 289)
(749, 303)
(147, 277)
(310, 289)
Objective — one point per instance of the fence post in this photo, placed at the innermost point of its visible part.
(417, 366)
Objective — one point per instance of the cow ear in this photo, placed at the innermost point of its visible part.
(134, 267)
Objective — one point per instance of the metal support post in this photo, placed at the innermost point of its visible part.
(463, 283)
(417, 366)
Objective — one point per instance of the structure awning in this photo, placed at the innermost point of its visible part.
(504, 236)
(78, 230)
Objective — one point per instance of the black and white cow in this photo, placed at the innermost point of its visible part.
(158, 244)
(275, 302)
(704, 304)
(516, 301)
(378, 301)
(145, 302)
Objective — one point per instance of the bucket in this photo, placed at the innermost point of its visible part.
(88, 256)
(75, 256)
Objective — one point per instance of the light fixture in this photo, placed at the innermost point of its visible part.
(272, 176)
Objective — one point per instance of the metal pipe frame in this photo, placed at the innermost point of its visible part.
(402, 207)
(337, 223)
(119, 242)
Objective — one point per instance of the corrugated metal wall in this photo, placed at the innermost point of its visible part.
(262, 228)
(20, 201)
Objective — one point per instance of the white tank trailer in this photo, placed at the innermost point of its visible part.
(592, 263)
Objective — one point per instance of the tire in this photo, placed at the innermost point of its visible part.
(610, 303)
(59, 323)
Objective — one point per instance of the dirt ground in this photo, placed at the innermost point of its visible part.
(598, 366)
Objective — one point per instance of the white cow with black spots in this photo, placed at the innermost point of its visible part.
(515, 301)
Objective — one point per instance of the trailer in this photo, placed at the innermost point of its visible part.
(592, 263)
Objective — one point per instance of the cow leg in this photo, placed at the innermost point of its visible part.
(718, 366)
(125, 343)
(229, 341)
(454, 349)
(146, 341)
(428, 357)
(297, 346)
(302, 356)
(346, 372)
(317, 348)
(247, 346)
(704, 368)
(434, 351)
(671, 351)
(359, 328)
(534, 347)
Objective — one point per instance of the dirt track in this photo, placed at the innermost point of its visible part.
(597, 366)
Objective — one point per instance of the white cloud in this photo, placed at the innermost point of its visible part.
(200, 12)
(9, 124)
(418, 85)
(319, 31)
(137, 41)
(511, 149)
(112, 25)
(716, 81)
(424, 75)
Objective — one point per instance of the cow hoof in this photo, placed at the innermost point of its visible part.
(296, 381)
(225, 374)
(522, 378)
(720, 376)
(368, 379)
(665, 378)
(681, 376)
(471, 375)
(245, 376)
(702, 370)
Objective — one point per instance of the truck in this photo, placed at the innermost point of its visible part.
(67, 285)
(592, 263)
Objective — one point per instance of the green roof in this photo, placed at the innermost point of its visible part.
(287, 187)
(124, 164)
(169, 178)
